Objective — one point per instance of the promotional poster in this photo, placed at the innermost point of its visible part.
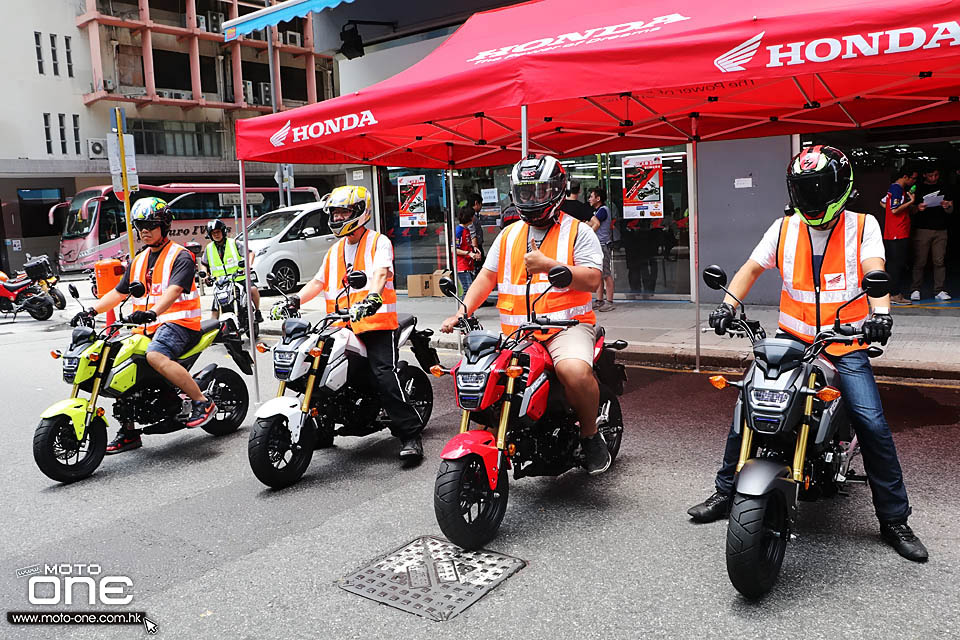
(642, 186)
(413, 200)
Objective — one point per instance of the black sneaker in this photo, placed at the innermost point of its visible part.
(411, 449)
(126, 440)
(713, 508)
(596, 456)
(203, 413)
(901, 537)
(257, 316)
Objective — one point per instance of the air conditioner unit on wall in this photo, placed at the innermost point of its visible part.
(294, 39)
(163, 93)
(97, 148)
(248, 91)
(263, 92)
(259, 34)
(214, 22)
(202, 23)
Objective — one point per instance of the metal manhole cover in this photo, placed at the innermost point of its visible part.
(431, 577)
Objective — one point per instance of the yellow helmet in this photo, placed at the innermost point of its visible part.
(353, 198)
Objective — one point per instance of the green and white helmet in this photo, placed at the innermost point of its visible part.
(819, 181)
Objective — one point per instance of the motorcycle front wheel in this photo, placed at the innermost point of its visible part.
(273, 459)
(59, 300)
(757, 535)
(468, 511)
(60, 456)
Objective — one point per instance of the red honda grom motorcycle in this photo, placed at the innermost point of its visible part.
(508, 388)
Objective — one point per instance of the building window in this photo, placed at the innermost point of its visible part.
(53, 54)
(76, 133)
(168, 138)
(46, 132)
(63, 133)
(37, 39)
(34, 208)
(69, 53)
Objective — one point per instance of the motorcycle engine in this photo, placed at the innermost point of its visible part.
(545, 450)
(147, 405)
(353, 409)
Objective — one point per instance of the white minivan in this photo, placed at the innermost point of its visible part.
(289, 243)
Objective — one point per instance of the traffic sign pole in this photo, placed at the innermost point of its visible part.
(126, 185)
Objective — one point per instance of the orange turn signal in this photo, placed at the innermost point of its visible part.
(316, 352)
(93, 357)
(100, 412)
(262, 348)
(314, 412)
(438, 371)
(55, 354)
(828, 394)
(719, 382)
(511, 449)
(514, 371)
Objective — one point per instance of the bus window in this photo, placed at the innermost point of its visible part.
(113, 221)
(78, 223)
(190, 207)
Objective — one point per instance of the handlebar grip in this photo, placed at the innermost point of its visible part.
(847, 330)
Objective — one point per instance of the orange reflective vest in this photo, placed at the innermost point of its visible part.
(185, 311)
(840, 275)
(335, 270)
(558, 304)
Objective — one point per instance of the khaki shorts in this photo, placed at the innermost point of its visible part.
(575, 342)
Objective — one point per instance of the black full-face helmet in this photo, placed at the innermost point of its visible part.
(819, 182)
(538, 185)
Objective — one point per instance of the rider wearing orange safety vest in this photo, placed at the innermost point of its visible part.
(373, 309)
(169, 309)
(822, 251)
(525, 251)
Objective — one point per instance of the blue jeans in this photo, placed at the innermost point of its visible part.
(466, 279)
(862, 400)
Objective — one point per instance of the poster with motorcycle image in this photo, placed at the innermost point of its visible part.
(643, 186)
(413, 200)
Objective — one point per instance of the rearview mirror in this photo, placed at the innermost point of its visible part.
(271, 279)
(560, 276)
(309, 232)
(202, 274)
(876, 283)
(195, 248)
(357, 279)
(447, 287)
(714, 277)
(137, 290)
(72, 288)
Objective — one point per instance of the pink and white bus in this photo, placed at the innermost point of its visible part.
(95, 225)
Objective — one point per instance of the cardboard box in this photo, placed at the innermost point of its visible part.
(419, 285)
(439, 273)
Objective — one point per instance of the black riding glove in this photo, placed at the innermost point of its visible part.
(366, 307)
(142, 317)
(877, 328)
(85, 318)
(293, 305)
(721, 317)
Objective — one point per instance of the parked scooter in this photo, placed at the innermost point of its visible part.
(510, 382)
(43, 276)
(335, 394)
(30, 291)
(796, 437)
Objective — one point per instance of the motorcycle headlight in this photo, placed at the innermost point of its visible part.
(768, 397)
(284, 358)
(471, 379)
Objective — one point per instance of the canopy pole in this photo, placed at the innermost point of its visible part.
(246, 257)
(694, 237)
(524, 142)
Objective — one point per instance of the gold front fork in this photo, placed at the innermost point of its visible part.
(505, 412)
(800, 454)
(282, 388)
(464, 421)
(305, 407)
(746, 444)
(95, 391)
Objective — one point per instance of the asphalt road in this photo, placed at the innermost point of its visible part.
(214, 554)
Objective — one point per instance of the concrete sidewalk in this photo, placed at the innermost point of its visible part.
(925, 344)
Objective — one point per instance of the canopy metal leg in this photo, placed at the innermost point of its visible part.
(251, 325)
(695, 240)
(524, 138)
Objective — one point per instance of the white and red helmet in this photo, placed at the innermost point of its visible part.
(538, 185)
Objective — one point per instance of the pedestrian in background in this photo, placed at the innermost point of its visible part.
(930, 235)
(579, 210)
(467, 254)
(598, 200)
(896, 231)
(475, 203)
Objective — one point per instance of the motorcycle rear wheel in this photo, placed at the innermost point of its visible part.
(55, 444)
(417, 390)
(468, 511)
(232, 398)
(272, 459)
(612, 430)
(757, 535)
(41, 312)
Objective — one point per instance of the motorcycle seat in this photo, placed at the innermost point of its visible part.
(205, 326)
(405, 320)
(13, 287)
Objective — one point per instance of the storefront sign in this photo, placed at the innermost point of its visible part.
(489, 196)
(413, 200)
(643, 186)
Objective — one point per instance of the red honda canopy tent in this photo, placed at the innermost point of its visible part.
(565, 78)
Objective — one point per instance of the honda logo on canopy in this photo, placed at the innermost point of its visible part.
(322, 128)
(846, 47)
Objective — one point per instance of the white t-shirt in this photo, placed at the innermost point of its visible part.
(765, 253)
(382, 256)
(586, 248)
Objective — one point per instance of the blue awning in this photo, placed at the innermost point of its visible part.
(270, 16)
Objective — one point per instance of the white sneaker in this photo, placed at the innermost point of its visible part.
(915, 296)
(943, 296)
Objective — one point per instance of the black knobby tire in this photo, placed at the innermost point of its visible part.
(613, 429)
(60, 456)
(233, 400)
(41, 311)
(468, 511)
(757, 535)
(417, 390)
(287, 276)
(273, 461)
(59, 300)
